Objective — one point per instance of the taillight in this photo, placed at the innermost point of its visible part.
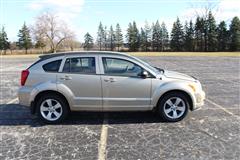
(24, 76)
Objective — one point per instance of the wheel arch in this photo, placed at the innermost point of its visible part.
(189, 97)
(33, 103)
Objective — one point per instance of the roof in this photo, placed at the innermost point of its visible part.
(51, 55)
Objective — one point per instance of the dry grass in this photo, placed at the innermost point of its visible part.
(190, 54)
(20, 56)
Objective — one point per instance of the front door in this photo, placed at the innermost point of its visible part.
(123, 88)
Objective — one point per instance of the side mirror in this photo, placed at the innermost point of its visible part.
(143, 74)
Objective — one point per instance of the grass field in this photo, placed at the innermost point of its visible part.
(152, 54)
(201, 54)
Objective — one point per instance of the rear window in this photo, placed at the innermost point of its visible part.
(52, 66)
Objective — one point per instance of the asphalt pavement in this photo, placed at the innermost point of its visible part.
(210, 133)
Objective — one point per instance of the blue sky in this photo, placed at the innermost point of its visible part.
(84, 15)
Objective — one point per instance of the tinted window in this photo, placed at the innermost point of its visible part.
(120, 67)
(52, 66)
(84, 65)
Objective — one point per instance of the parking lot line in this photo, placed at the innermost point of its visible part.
(12, 101)
(103, 139)
(222, 108)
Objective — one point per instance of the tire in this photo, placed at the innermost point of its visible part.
(52, 109)
(175, 111)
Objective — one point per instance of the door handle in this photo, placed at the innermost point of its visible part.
(110, 80)
(106, 80)
(66, 78)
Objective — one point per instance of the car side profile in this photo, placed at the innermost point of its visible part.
(105, 81)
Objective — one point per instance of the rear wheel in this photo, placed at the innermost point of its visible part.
(52, 109)
(173, 107)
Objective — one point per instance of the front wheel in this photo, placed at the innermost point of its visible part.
(52, 109)
(173, 107)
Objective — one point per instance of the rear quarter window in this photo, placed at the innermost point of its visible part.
(52, 66)
(81, 65)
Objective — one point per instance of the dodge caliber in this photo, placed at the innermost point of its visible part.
(57, 84)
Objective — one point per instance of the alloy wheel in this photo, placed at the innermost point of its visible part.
(174, 107)
(51, 109)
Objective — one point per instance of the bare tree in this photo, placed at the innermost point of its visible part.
(49, 27)
(71, 43)
(202, 8)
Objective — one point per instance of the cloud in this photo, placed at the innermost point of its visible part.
(228, 9)
(222, 10)
(63, 8)
(65, 3)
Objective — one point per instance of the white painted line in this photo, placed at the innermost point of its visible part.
(202, 109)
(12, 101)
(222, 108)
(103, 139)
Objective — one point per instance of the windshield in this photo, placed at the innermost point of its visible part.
(147, 65)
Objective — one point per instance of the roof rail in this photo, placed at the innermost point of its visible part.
(51, 55)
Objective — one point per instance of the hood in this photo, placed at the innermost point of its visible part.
(177, 75)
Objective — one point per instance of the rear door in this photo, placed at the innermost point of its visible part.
(123, 88)
(79, 74)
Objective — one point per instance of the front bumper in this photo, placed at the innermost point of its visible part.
(200, 97)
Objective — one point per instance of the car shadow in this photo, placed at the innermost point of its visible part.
(14, 114)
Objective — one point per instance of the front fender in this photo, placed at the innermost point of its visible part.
(170, 86)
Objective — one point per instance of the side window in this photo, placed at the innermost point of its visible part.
(83, 65)
(120, 67)
(52, 66)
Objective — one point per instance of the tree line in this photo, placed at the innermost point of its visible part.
(201, 35)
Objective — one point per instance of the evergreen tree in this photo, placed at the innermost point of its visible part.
(129, 36)
(199, 34)
(234, 33)
(211, 33)
(119, 37)
(145, 37)
(222, 36)
(24, 41)
(105, 37)
(189, 37)
(88, 41)
(111, 38)
(4, 43)
(177, 36)
(156, 37)
(133, 37)
(100, 36)
(142, 39)
(164, 37)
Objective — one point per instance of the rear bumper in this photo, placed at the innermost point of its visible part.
(24, 96)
